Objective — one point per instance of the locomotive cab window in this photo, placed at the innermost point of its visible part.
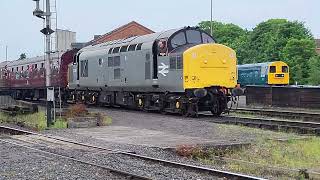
(178, 40)
(272, 69)
(285, 69)
(193, 37)
(206, 38)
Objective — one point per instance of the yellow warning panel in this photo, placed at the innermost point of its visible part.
(209, 65)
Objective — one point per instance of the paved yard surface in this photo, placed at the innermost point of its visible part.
(164, 131)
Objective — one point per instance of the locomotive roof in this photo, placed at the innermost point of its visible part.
(132, 40)
(264, 64)
(255, 64)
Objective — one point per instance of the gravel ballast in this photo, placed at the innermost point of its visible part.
(21, 163)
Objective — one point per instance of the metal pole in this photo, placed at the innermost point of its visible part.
(47, 64)
(6, 53)
(211, 28)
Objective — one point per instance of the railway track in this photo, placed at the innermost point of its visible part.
(300, 127)
(301, 115)
(201, 170)
(303, 123)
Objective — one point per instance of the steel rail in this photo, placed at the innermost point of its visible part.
(271, 124)
(305, 116)
(133, 176)
(214, 172)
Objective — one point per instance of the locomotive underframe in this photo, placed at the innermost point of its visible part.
(186, 104)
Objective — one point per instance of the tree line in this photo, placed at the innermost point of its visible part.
(273, 40)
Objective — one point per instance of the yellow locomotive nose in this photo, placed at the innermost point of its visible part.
(208, 65)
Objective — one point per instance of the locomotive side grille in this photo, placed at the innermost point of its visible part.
(147, 70)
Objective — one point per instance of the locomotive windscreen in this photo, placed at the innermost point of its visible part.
(190, 36)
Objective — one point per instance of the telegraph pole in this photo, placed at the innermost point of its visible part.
(6, 53)
(211, 23)
(47, 31)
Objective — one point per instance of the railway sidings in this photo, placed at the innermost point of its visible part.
(127, 164)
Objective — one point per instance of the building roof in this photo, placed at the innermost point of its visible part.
(111, 35)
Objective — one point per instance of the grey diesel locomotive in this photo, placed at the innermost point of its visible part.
(177, 71)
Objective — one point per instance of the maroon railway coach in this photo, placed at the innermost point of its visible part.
(25, 78)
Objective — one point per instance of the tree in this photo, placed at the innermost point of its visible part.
(23, 56)
(297, 54)
(230, 35)
(269, 38)
(272, 40)
(223, 33)
(314, 72)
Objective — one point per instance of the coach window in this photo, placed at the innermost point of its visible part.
(110, 50)
(173, 62)
(132, 47)
(36, 66)
(17, 68)
(193, 37)
(116, 61)
(179, 62)
(139, 47)
(124, 49)
(12, 69)
(84, 68)
(272, 69)
(117, 73)
(42, 65)
(178, 40)
(285, 69)
(206, 38)
(21, 68)
(100, 61)
(27, 67)
(116, 50)
(110, 61)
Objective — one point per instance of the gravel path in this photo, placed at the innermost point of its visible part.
(21, 163)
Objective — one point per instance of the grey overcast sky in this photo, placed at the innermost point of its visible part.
(19, 30)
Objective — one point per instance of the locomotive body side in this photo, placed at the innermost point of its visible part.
(179, 70)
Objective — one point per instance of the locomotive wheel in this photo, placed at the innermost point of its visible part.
(192, 110)
(216, 110)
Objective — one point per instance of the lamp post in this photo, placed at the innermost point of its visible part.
(47, 31)
(211, 23)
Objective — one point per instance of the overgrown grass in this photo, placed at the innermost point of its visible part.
(106, 121)
(270, 158)
(36, 121)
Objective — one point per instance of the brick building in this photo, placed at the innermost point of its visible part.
(128, 30)
(318, 46)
